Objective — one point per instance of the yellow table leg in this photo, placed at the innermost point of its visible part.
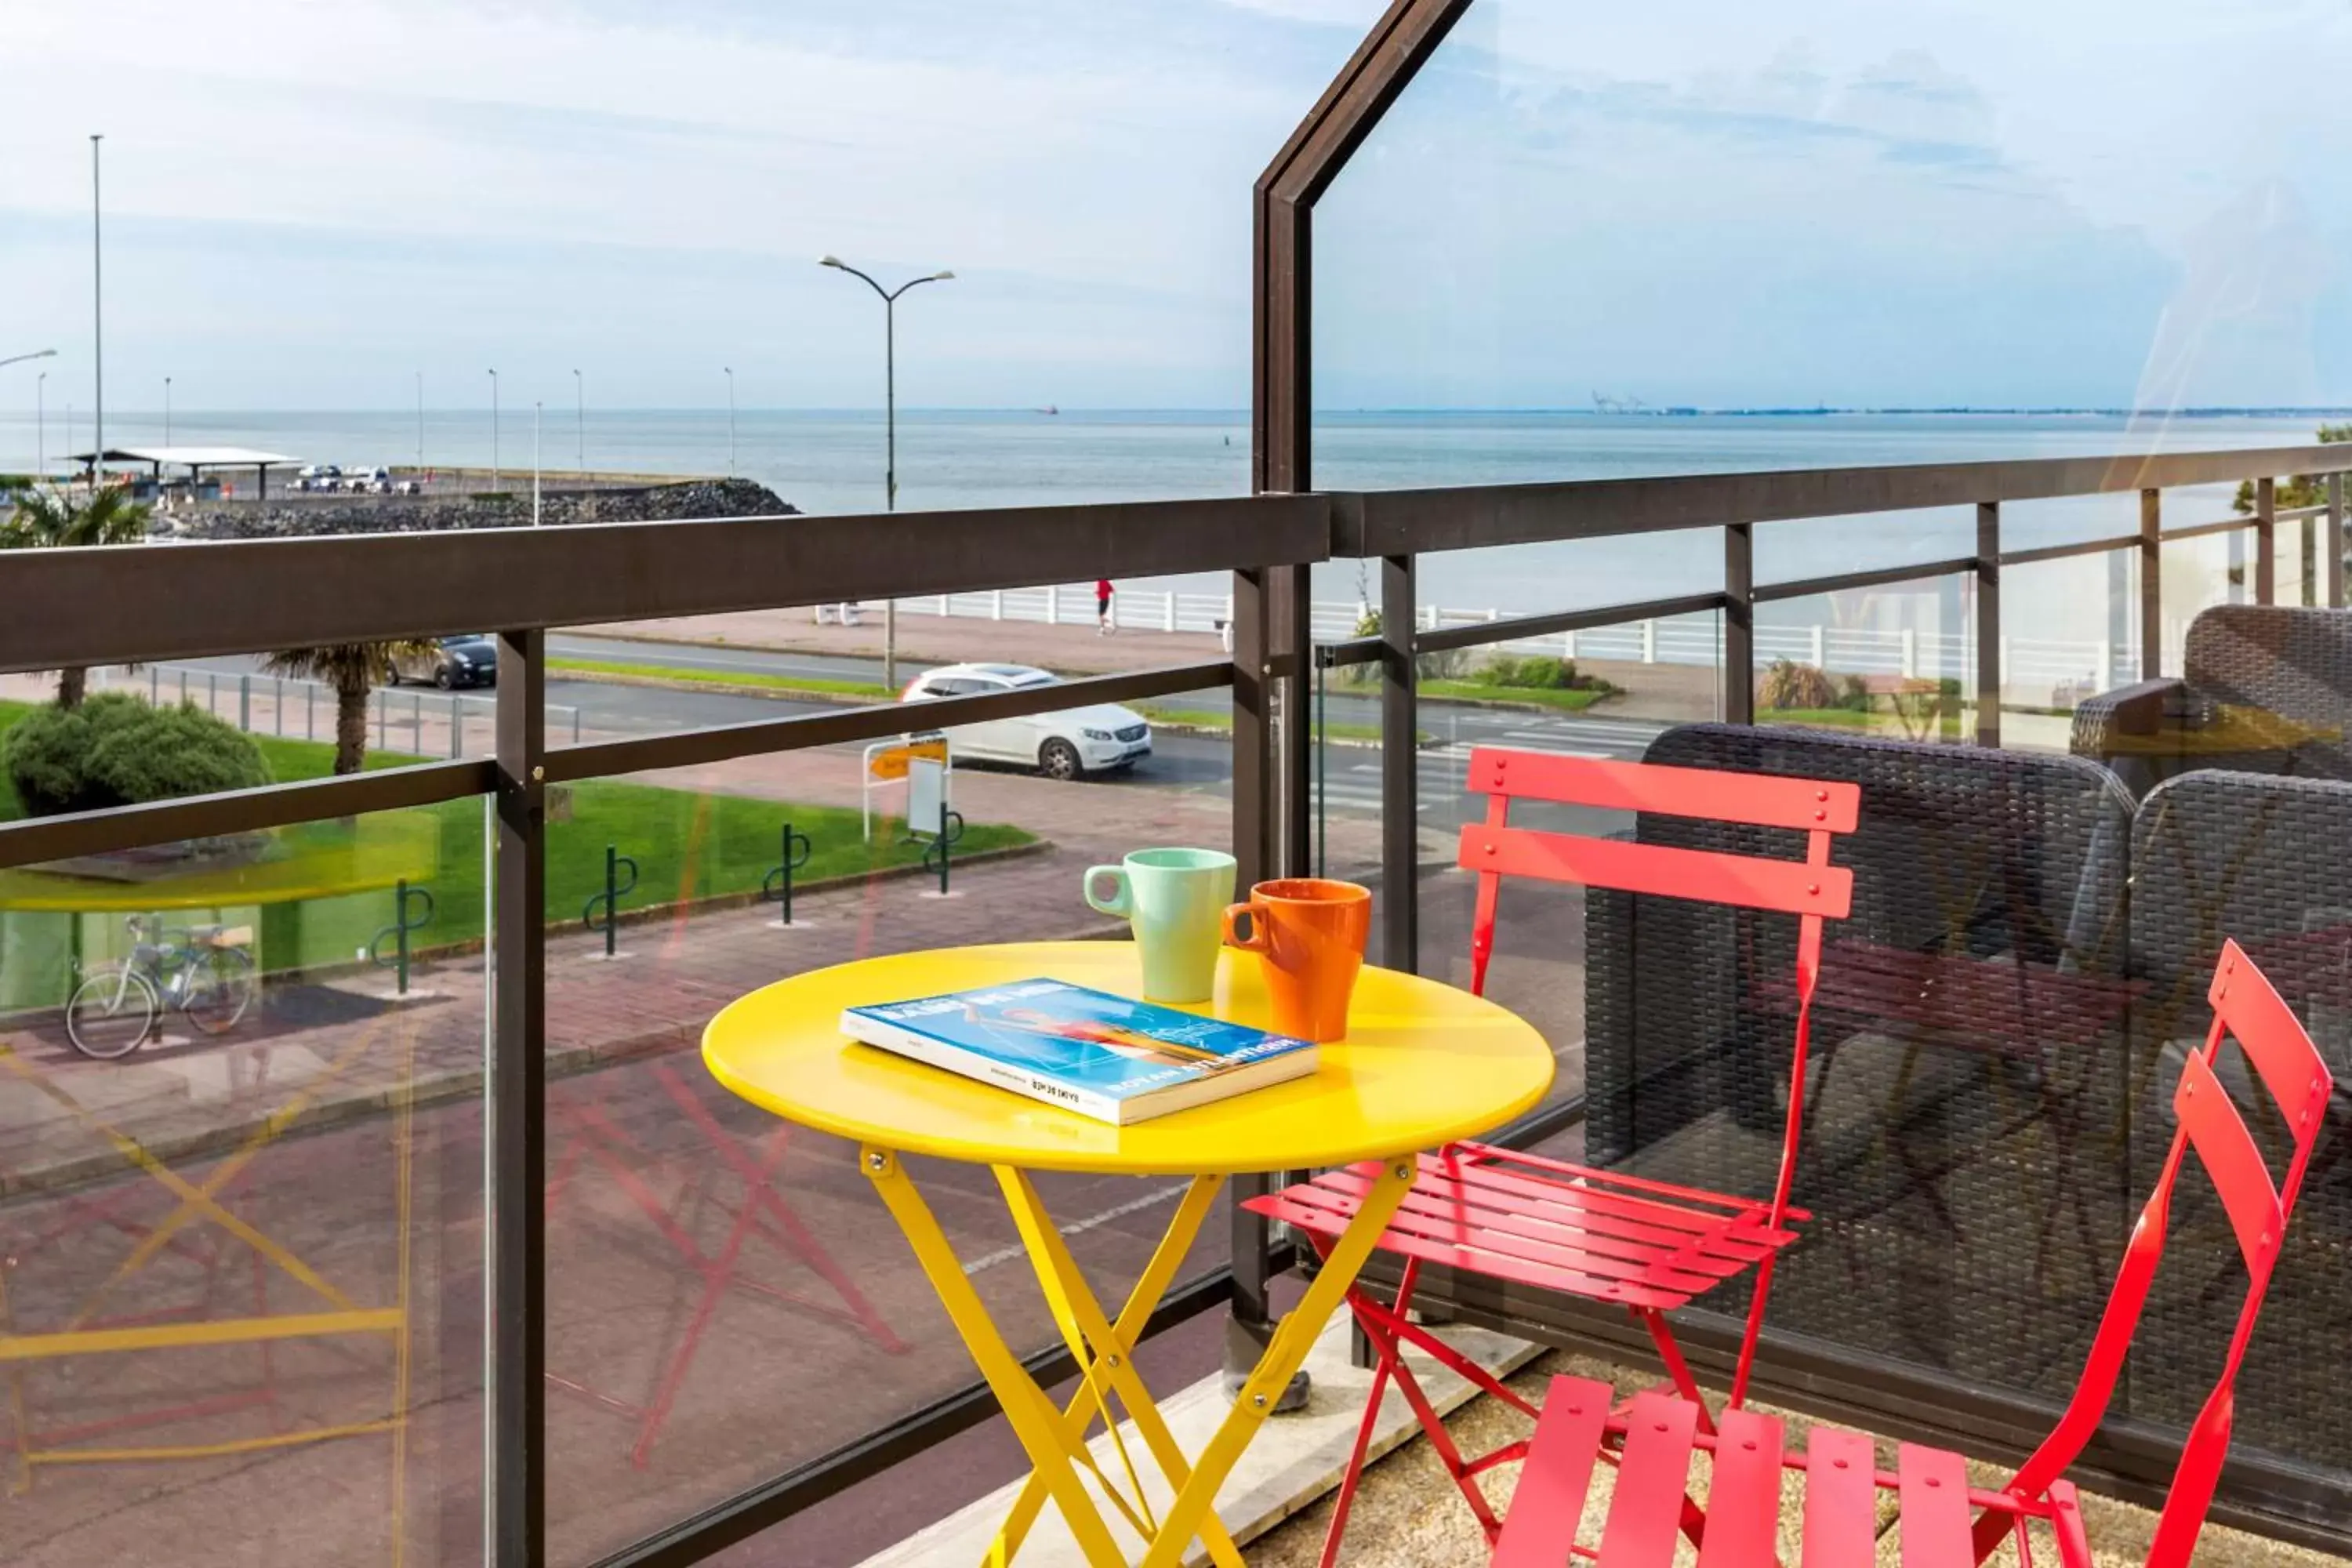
(1034, 1419)
(1111, 1366)
(1285, 1354)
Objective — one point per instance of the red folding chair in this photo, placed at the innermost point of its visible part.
(1944, 1522)
(1647, 1246)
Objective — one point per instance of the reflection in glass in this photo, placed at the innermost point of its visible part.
(240, 1177)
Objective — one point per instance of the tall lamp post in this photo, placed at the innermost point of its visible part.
(167, 411)
(97, 318)
(731, 421)
(537, 410)
(580, 393)
(420, 425)
(494, 430)
(890, 429)
(40, 407)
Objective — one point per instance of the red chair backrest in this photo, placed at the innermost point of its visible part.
(2249, 1009)
(1812, 889)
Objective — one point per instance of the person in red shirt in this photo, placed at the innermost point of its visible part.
(1103, 627)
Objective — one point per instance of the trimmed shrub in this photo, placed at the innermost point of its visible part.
(1788, 684)
(114, 750)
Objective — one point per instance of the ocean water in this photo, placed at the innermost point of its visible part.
(828, 461)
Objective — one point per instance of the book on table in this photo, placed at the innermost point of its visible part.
(1111, 1057)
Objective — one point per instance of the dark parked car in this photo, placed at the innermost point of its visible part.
(471, 660)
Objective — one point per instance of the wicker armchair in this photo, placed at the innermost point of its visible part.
(1968, 1030)
(2264, 688)
(2261, 859)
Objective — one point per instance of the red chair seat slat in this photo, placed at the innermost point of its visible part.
(1743, 1503)
(1533, 1240)
(1653, 1478)
(1840, 1500)
(1549, 1502)
(1637, 1227)
(1566, 1232)
(1453, 1254)
(1932, 1485)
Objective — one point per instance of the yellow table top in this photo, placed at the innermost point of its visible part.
(1422, 1064)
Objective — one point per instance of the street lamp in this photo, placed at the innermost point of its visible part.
(731, 421)
(167, 411)
(580, 390)
(537, 409)
(420, 425)
(494, 430)
(97, 317)
(890, 429)
(40, 413)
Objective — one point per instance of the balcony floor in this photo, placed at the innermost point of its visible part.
(1409, 1516)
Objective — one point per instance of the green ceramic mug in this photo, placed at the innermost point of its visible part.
(1175, 899)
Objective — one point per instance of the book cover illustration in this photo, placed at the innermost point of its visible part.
(1090, 1041)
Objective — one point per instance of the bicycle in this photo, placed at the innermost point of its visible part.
(206, 971)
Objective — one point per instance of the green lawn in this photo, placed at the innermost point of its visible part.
(781, 684)
(687, 846)
(1566, 700)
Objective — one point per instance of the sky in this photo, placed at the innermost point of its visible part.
(310, 202)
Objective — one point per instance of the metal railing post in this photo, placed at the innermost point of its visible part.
(2151, 584)
(2265, 541)
(1739, 673)
(1400, 780)
(2309, 582)
(457, 725)
(2332, 536)
(515, 1446)
(1988, 636)
(244, 703)
(1249, 1324)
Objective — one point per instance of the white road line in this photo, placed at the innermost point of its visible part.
(1080, 1227)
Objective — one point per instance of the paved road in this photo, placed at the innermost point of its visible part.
(1349, 775)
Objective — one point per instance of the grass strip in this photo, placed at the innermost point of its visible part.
(819, 685)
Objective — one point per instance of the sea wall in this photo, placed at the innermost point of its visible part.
(301, 517)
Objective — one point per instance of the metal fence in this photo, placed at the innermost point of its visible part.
(455, 724)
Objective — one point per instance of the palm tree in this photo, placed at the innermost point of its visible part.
(354, 670)
(52, 519)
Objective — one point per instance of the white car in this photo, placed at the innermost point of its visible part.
(1067, 744)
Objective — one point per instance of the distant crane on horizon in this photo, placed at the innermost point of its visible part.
(1604, 404)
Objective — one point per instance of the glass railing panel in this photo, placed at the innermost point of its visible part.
(1894, 661)
(729, 1299)
(241, 1191)
(2070, 633)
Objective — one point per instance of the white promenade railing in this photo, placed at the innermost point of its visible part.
(2028, 664)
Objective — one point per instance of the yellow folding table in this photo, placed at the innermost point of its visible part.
(1423, 1064)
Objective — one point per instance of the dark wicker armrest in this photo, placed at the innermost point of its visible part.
(2127, 720)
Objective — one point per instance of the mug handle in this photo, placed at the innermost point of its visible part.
(1255, 941)
(1121, 904)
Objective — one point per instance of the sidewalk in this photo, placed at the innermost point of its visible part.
(934, 639)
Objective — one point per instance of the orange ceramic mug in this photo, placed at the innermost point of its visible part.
(1311, 934)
